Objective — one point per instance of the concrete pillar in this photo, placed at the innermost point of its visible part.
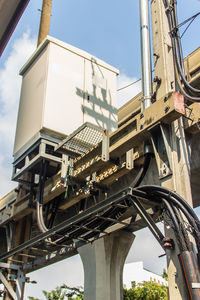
(103, 262)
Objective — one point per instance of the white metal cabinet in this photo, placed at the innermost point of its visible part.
(63, 87)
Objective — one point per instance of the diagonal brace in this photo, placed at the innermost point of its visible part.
(8, 287)
(149, 221)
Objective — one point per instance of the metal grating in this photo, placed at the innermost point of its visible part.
(81, 140)
(84, 227)
(62, 240)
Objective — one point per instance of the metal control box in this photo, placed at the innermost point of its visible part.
(62, 88)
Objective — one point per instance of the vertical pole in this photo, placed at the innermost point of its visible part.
(179, 181)
(145, 54)
(45, 20)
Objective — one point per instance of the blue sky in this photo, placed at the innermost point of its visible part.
(108, 30)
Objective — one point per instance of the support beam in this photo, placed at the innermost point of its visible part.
(103, 263)
(8, 287)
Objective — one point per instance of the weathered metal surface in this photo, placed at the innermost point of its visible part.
(10, 13)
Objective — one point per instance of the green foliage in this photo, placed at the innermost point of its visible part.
(74, 291)
(165, 274)
(63, 292)
(129, 294)
(146, 291)
(57, 294)
(143, 291)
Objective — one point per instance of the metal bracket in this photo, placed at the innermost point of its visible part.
(129, 159)
(105, 145)
(8, 266)
(66, 168)
(28, 161)
(160, 137)
(8, 287)
(18, 277)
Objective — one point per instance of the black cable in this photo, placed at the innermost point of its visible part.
(176, 196)
(186, 237)
(171, 12)
(183, 76)
(177, 228)
(172, 214)
(181, 235)
(142, 172)
(181, 203)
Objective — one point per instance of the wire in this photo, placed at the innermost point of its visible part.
(194, 17)
(188, 20)
(124, 87)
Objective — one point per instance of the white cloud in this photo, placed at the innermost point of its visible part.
(147, 249)
(128, 93)
(10, 83)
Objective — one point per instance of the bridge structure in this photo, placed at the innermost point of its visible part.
(94, 188)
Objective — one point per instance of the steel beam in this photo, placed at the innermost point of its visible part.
(8, 287)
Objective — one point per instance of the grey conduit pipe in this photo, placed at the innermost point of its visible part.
(145, 54)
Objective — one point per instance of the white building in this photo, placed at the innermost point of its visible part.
(135, 272)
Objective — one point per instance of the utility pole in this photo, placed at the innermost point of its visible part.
(174, 170)
(45, 20)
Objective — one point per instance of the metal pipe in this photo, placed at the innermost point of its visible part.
(45, 20)
(191, 273)
(145, 54)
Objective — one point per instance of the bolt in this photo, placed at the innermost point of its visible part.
(167, 108)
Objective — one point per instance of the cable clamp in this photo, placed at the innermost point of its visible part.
(169, 8)
(195, 285)
(168, 243)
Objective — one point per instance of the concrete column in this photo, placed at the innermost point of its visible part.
(103, 263)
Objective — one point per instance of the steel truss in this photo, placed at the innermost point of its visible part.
(62, 240)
